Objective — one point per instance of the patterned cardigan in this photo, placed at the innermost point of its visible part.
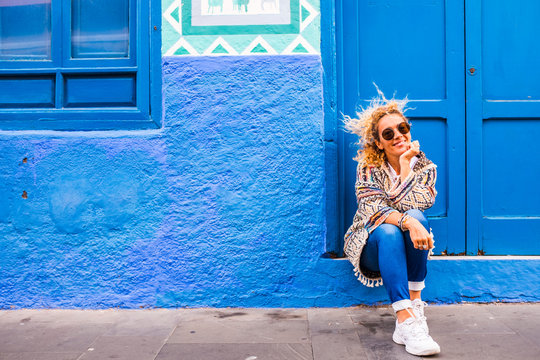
(377, 198)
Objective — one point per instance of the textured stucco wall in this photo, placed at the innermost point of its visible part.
(224, 206)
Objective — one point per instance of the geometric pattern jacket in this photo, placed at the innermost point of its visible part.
(378, 197)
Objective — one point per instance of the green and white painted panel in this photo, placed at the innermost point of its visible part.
(241, 27)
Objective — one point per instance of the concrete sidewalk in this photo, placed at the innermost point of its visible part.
(471, 331)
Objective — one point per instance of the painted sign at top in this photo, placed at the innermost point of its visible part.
(241, 27)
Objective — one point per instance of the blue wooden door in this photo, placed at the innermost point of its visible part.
(503, 126)
(471, 70)
(415, 49)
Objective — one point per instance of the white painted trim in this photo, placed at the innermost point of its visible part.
(222, 42)
(259, 40)
(299, 40)
(468, 258)
(182, 42)
(486, 257)
(167, 15)
(312, 14)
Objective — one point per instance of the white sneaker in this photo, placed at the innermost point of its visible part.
(416, 340)
(418, 310)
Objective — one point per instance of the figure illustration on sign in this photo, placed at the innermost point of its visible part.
(238, 7)
(237, 4)
(214, 4)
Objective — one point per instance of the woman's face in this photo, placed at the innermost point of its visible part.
(400, 143)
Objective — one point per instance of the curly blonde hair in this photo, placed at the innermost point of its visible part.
(366, 126)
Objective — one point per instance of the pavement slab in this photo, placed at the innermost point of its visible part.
(235, 352)
(521, 318)
(241, 314)
(486, 347)
(466, 319)
(49, 337)
(334, 335)
(466, 331)
(39, 356)
(256, 331)
(124, 348)
(375, 326)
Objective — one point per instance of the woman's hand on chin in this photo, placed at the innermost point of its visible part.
(414, 149)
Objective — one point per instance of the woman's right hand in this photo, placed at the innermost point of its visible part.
(420, 237)
(405, 159)
(414, 149)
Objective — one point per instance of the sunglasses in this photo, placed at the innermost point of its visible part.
(403, 127)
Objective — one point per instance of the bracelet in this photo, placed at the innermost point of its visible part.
(401, 222)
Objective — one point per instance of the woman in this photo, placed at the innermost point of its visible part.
(389, 240)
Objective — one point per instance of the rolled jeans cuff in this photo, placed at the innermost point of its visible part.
(402, 305)
(416, 285)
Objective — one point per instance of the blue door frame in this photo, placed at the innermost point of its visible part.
(482, 207)
(387, 45)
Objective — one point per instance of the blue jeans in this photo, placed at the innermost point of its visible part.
(402, 267)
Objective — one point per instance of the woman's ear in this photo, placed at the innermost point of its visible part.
(379, 145)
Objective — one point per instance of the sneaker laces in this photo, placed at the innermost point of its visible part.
(415, 329)
(419, 307)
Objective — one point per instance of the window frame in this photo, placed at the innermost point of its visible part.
(146, 114)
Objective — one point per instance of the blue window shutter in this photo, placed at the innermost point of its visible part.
(101, 70)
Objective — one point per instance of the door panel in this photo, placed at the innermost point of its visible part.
(503, 123)
(415, 49)
(392, 47)
(510, 49)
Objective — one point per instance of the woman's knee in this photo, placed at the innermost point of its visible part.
(388, 230)
(419, 215)
(389, 235)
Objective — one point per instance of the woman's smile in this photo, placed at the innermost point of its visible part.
(400, 143)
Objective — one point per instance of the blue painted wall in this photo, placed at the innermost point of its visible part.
(224, 206)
